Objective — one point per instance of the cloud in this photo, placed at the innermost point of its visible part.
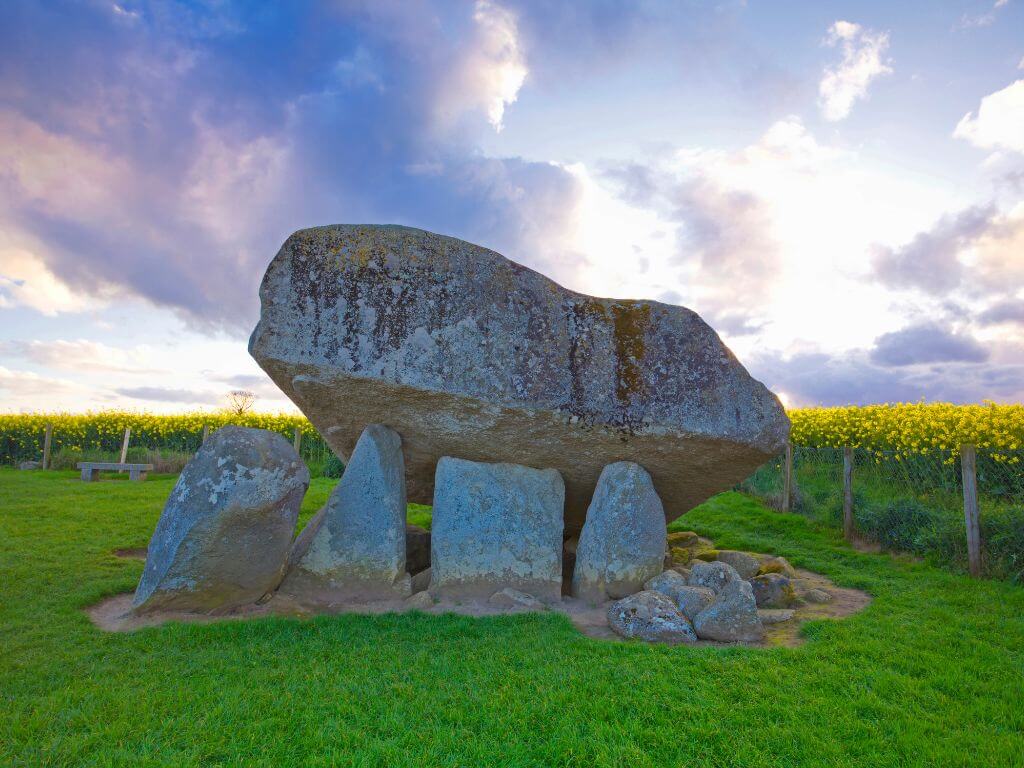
(1007, 311)
(930, 262)
(926, 343)
(83, 355)
(985, 19)
(816, 378)
(170, 395)
(166, 156)
(19, 384)
(999, 123)
(847, 82)
(976, 250)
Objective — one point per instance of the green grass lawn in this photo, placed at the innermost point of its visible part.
(931, 673)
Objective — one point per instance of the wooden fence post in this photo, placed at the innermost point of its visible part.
(847, 493)
(124, 446)
(787, 487)
(206, 433)
(968, 468)
(47, 439)
(297, 442)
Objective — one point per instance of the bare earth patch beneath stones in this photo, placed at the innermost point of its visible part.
(113, 614)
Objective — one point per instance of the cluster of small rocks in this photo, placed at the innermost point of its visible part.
(709, 594)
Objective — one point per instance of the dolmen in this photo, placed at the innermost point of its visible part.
(554, 434)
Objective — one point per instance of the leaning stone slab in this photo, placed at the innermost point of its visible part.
(496, 526)
(732, 617)
(622, 544)
(354, 549)
(468, 354)
(224, 534)
(650, 616)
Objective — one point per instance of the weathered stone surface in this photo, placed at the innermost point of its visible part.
(684, 572)
(775, 615)
(468, 354)
(714, 575)
(746, 565)
(421, 581)
(420, 601)
(417, 548)
(224, 534)
(354, 548)
(496, 526)
(732, 617)
(693, 600)
(513, 598)
(682, 539)
(27, 465)
(622, 544)
(817, 596)
(667, 583)
(650, 616)
(772, 590)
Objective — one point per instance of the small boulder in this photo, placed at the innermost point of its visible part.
(622, 544)
(693, 600)
(354, 548)
(746, 565)
(714, 575)
(707, 555)
(496, 526)
(817, 596)
(420, 601)
(667, 583)
(420, 581)
(417, 548)
(26, 465)
(513, 598)
(684, 572)
(681, 539)
(775, 615)
(772, 590)
(732, 617)
(680, 555)
(224, 534)
(650, 616)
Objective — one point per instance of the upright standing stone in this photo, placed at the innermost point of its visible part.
(469, 354)
(224, 534)
(496, 526)
(354, 549)
(623, 540)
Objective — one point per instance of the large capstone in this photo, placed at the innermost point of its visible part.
(224, 534)
(354, 549)
(496, 526)
(622, 544)
(468, 354)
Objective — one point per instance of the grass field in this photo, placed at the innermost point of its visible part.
(931, 673)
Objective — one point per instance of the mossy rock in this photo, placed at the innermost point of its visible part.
(707, 555)
(680, 556)
(682, 539)
(776, 565)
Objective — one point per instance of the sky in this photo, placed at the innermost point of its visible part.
(836, 187)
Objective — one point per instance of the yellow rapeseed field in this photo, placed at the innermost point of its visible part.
(902, 428)
(913, 428)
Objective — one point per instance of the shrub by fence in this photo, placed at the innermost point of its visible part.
(910, 502)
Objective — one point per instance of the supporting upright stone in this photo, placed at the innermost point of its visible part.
(496, 526)
(623, 540)
(224, 534)
(354, 548)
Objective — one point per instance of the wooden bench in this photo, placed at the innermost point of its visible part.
(91, 469)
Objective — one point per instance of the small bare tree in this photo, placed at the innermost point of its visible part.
(240, 401)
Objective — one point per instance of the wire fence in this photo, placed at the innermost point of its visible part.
(910, 502)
